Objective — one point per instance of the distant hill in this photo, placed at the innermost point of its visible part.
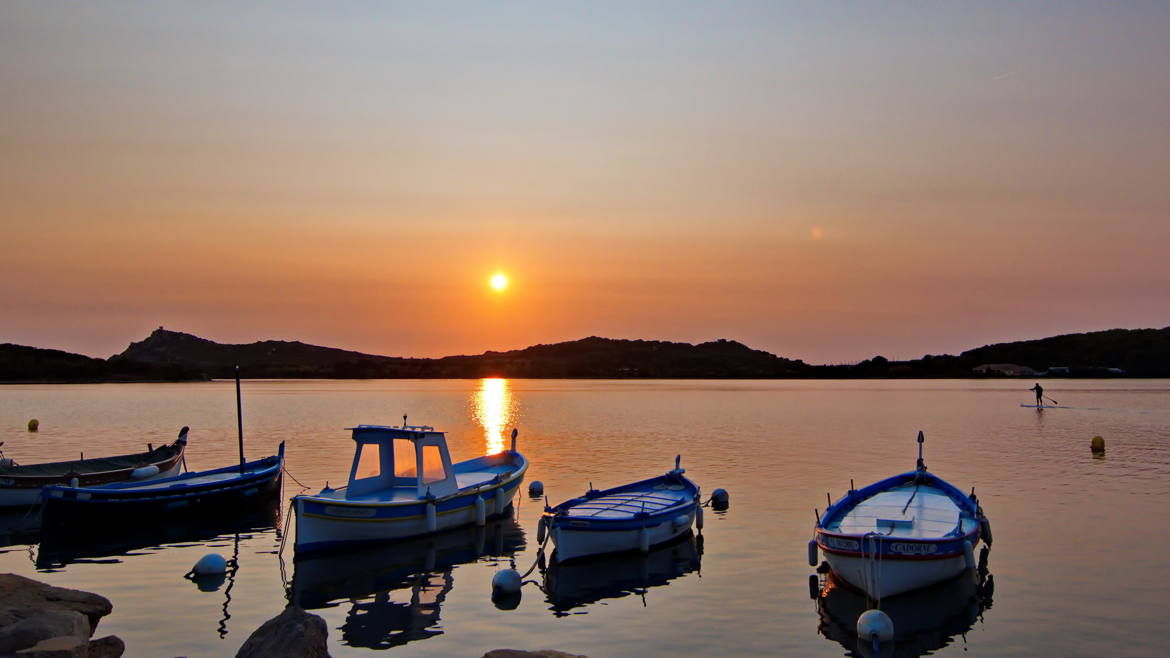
(170, 355)
(1111, 353)
(598, 358)
(32, 364)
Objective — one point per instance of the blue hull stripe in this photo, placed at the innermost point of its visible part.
(318, 507)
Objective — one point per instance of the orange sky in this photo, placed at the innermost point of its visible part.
(826, 183)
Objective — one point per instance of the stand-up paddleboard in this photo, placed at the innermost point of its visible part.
(1039, 406)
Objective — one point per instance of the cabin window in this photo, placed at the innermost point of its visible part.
(432, 464)
(369, 462)
(404, 459)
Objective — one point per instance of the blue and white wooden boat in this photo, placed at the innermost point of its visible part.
(221, 493)
(402, 484)
(902, 533)
(632, 517)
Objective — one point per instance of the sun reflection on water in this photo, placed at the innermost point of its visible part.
(493, 410)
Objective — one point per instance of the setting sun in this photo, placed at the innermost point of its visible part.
(499, 281)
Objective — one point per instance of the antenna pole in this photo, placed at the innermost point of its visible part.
(239, 419)
(921, 439)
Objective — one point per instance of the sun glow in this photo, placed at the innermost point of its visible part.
(499, 281)
(494, 410)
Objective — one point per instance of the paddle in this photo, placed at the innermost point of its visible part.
(1051, 400)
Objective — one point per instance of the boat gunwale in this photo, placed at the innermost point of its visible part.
(560, 519)
(9, 480)
(129, 495)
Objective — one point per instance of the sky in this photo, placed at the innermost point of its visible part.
(826, 181)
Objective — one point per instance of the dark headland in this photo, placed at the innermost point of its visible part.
(174, 356)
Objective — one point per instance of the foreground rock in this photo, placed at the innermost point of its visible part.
(537, 653)
(293, 633)
(42, 621)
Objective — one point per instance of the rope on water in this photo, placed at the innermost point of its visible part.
(539, 557)
(304, 487)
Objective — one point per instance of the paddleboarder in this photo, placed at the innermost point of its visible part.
(1039, 394)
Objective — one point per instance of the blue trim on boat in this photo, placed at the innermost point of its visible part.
(388, 512)
(631, 520)
(256, 472)
(895, 546)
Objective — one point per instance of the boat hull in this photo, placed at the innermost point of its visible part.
(328, 524)
(573, 543)
(99, 508)
(894, 576)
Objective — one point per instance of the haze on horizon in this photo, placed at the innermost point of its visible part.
(825, 181)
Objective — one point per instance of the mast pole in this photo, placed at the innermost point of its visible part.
(239, 419)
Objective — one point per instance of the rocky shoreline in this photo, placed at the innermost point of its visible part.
(38, 620)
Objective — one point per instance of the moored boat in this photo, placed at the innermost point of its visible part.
(900, 534)
(635, 516)
(20, 486)
(402, 484)
(222, 492)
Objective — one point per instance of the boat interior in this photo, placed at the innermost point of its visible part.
(908, 510)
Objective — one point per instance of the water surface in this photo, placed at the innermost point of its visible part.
(1079, 562)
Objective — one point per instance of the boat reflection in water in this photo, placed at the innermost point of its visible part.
(395, 591)
(574, 584)
(61, 548)
(925, 620)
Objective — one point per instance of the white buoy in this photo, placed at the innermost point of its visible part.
(432, 517)
(506, 581)
(644, 539)
(212, 564)
(480, 512)
(875, 623)
(501, 500)
(536, 488)
(73, 482)
(969, 553)
(720, 499)
(699, 517)
(812, 552)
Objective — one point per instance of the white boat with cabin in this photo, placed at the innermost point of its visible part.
(402, 484)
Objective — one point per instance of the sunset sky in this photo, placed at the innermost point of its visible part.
(825, 181)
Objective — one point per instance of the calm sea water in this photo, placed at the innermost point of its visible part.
(1079, 564)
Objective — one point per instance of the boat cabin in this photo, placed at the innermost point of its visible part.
(408, 457)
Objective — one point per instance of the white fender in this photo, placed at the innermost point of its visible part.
(501, 499)
(480, 511)
(812, 552)
(432, 517)
(969, 553)
(542, 530)
(144, 472)
(699, 516)
(644, 539)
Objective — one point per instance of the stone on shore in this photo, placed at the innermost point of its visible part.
(38, 620)
(293, 633)
(522, 653)
(19, 595)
